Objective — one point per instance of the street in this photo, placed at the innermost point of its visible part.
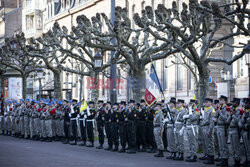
(27, 153)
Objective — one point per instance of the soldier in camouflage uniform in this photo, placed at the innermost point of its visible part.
(35, 115)
(53, 120)
(233, 131)
(57, 122)
(48, 121)
(26, 119)
(244, 124)
(207, 126)
(220, 123)
(43, 136)
(17, 120)
(192, 130)
(13, 127)
(179, 137)
(21, 120)
(158, 129)
(171, 128)
(31, 122)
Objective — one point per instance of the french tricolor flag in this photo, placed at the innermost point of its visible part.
(153, 87)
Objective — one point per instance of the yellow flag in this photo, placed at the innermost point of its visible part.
(84, 105)
(194, 97)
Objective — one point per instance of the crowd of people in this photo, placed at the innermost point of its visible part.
(136, 127)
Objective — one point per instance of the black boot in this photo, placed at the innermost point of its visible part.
(122, 150)
(108, 148)
(160, 154)
(246, 163)
(83, 143)
(74, 143)
(180, 157)
(131, 151)
(217, 159)
(177, 155)
(100, 146)
(49, 139)
(205, 157)
(224, 162)
(237, 163)
(192, 159)
(91, 144)
(152, 150)
(170, 156)
(210, 160)
(66, 141)
(115, 149)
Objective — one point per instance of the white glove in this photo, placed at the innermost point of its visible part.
(69, 114)
(185, 116)
(165, 120)
(78, 116)
(201, 117)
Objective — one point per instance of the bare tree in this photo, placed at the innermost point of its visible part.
(13, 56)
(191, 27)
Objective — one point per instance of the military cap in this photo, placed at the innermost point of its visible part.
(27, 100)
(236, 100)
(180, 101)
(91, 102)
(208, 100)
(49, 104)
(216, 101)
(74, 100)
(100, 101)
(223, 97)
(108, 102)
(123, 102)
(142, 101)
(65, 101)
(60, 102)
(131, 101)
(21, 100)
(138, 104)
(192, 101)
(115, 104)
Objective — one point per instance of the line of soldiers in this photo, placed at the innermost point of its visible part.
(137, 127)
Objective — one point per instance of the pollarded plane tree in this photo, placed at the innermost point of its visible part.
(45, 48)
(197, 25)
(132, 45)
(13, 56)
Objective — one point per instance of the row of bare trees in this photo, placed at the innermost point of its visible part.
(149, 36)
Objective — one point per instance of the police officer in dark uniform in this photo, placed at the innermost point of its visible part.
(141, 126)
(122, 126)
(107, 114)
(131, 117)
(66, 124)
(90, 123)
(114, 126)
(73, 117)
(100, 124)
(82, 120)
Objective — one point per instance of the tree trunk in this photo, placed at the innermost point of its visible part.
(24, 81)
(137, 82)
(203, 84)
(57, 85)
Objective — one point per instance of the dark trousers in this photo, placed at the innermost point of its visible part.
(90, 131)
(123, 133)
(164, 139)
(74, 129)
(100, 132)
(66, 130)
(150, 134)
(114, 132)
(131, 134)
(108, 133)
(140, 133)
(83, 130)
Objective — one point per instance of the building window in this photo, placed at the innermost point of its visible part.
(242, 67)
(179, 75)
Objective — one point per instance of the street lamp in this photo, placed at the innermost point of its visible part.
(98, 61)
(40, 76)
(246, 50)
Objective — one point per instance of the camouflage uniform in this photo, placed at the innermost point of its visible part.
(179, 138)
(233, 134)
(26, 121)
(244, 124)
(171, 133)
(31, 122)
(17, 121)
(207, 126)
(48, 124)
(37, 122)
(192, 132)
(43, 127)
(21, 122)
(158, 129)
(221, 131)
